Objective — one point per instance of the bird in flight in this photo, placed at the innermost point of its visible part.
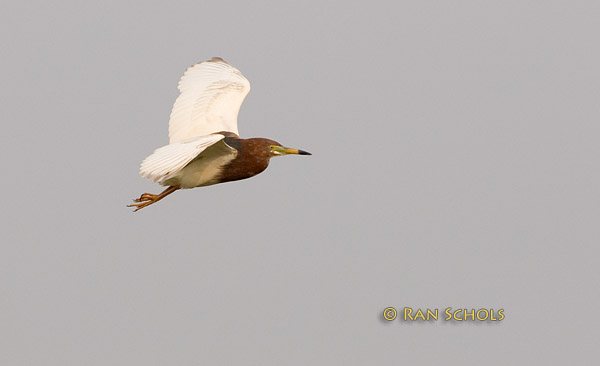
(204, 146)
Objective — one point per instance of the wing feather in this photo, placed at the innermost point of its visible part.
(168, 160)
(211, 94)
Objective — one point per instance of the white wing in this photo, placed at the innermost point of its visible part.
(212, 93)
(168, 160)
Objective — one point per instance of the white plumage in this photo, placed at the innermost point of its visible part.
(211, 94)
(170, 159)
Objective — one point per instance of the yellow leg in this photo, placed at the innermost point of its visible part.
(146, 199)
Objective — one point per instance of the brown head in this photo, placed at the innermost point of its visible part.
(253, 157)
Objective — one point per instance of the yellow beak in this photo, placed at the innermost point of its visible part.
(281, 150)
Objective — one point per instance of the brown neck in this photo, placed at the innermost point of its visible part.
(252, 158)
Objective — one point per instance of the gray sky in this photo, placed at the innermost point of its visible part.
(455, 164)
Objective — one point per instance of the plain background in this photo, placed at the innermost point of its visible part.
(455, 164)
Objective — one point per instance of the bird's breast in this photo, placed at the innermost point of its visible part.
(242, 167)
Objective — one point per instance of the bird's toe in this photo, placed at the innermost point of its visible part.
(145, 197)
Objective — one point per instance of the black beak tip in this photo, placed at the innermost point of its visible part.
(302, 152)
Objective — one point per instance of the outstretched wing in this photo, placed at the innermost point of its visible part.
(212, 93)
(170, 159)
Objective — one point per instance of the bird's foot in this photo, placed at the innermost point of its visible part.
(146, 199)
